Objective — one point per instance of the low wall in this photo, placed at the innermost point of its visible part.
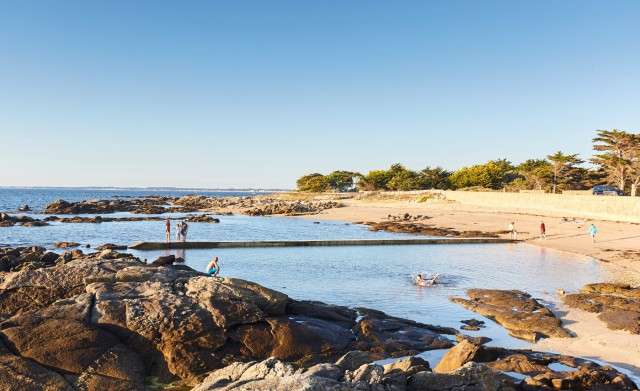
(560, 205)
(314, 243)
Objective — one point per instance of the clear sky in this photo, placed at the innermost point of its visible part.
(258, 93)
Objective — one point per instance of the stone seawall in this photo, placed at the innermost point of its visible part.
(561, 205)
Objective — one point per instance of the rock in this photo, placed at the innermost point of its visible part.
(618, 305)
(516, 311)
(397, 336)
(24, 208)
(164, 261)
(521, 363)
(367, 373)
(463, 353)
(474, 340)
(111, 246)
(408, 366)
(65, 244)
(203, 219)
(36, 223)
(75, 348)
(354, 360)
(471, 376)
(21, 374)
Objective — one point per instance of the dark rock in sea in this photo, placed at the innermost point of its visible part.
(203, 219)
(516, 311)
(111, 246)
(618, 305)
(24, 208)
(164, 261)
(136, 205)
(36, 223)
(65, 244)
(474, 340)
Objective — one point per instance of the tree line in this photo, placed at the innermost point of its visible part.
(616, 162)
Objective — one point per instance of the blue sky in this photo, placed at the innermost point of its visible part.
(258, 93)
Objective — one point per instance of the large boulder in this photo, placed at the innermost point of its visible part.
(516, 311)
(75, 349)
(618, 305)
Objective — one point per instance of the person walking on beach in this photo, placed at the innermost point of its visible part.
(167, 232)
(543, 231)
(185, 228)
(511, 230)
(593, 231)
(212, 268)
(178, 231)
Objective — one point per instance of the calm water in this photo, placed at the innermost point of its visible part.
(375, 277)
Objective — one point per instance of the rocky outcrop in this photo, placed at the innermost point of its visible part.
(409, 374)
(289, 208)
(111, 246)
(618, 305)
(65, 244)
(203, 218)
(100, 219)
(255, 206)
(123, 321)
(402, 226)
(516, 311)
(26, 258)
(414, 374)
(143, 205)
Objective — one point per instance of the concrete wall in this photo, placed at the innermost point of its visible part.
(560, 205)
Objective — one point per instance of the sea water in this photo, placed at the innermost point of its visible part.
(377, 277)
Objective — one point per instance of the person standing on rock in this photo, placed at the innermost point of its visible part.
(212, 268)
(511, 228)
(543, 231)
(168, 231)
(185, 228)
(178, 231)
(593, 231)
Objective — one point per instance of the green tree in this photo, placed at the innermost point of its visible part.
(375, 180)
(315, 182)
(535, 173)
(617, 149)
(341, 181)
(492, 175)
(563, 169)
(435, 178)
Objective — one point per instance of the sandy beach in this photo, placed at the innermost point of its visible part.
(617, 244)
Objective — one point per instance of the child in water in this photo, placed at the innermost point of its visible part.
(212, 268)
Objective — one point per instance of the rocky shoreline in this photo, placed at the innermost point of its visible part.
(107, 320)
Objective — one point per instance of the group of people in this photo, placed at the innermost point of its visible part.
(181, 231)
(181, 234)
(513, 234)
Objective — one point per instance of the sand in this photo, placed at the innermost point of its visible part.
(617, 244)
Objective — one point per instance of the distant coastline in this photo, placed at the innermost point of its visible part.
(154, 188)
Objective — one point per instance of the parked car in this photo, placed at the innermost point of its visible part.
(606, 190)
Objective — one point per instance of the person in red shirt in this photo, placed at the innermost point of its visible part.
(543, 231)
(168, 231)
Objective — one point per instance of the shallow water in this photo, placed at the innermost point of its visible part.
(377, 277)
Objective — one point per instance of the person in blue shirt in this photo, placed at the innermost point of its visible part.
(213, 268)
(593, 231)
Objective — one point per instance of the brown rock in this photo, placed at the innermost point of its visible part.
(522, 315)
